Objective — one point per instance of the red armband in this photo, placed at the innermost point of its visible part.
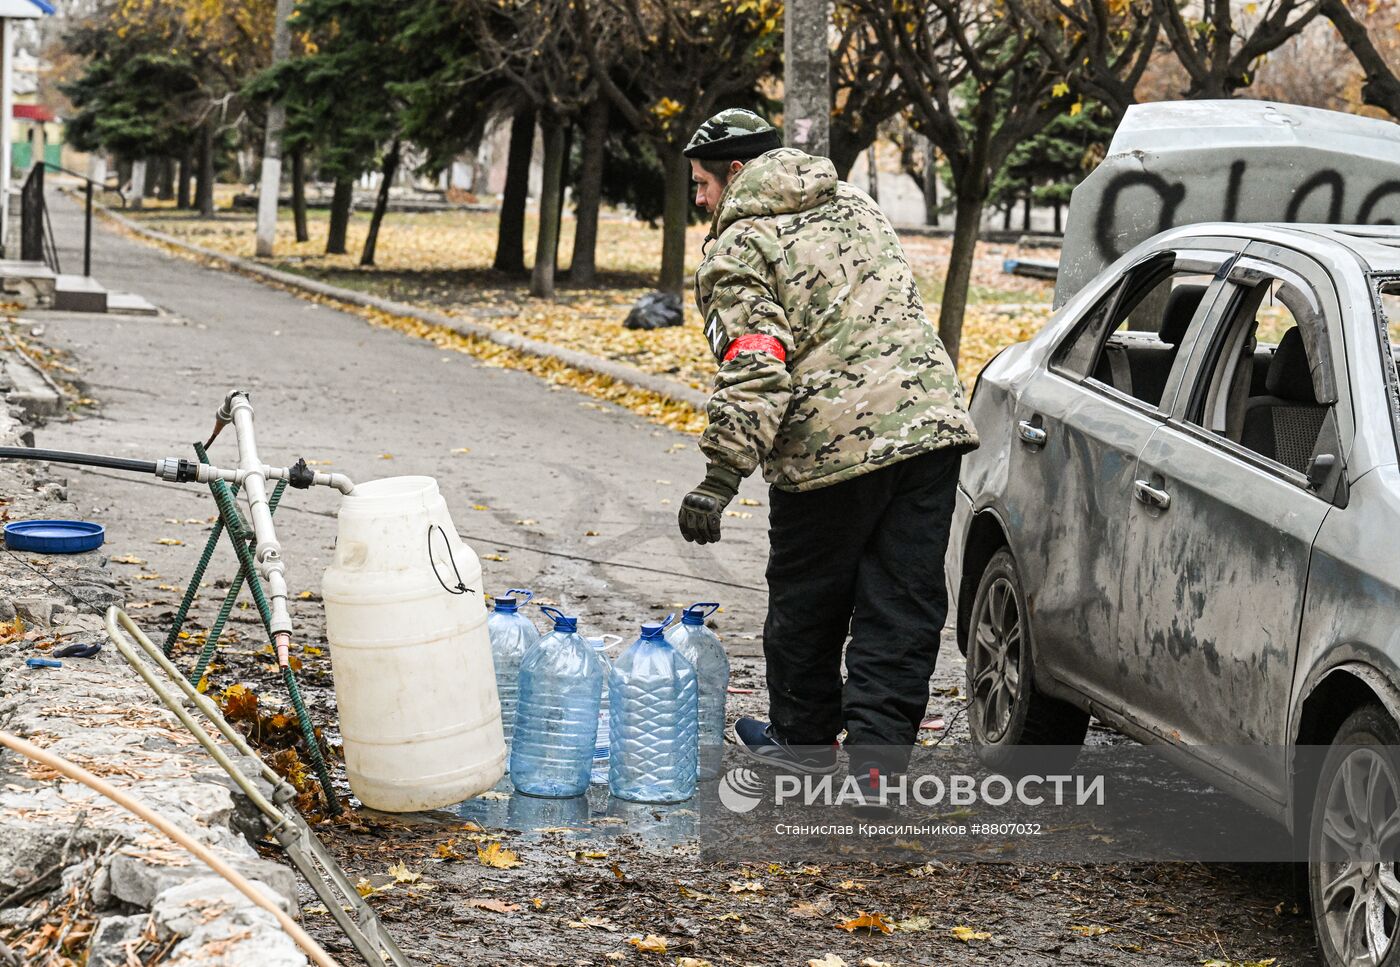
(756, 343)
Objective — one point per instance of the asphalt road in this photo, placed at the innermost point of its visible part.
(329, 386)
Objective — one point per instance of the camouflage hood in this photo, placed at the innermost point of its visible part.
(781, 182)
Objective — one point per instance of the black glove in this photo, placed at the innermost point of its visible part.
(702, 507)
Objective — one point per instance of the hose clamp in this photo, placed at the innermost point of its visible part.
(168, 469)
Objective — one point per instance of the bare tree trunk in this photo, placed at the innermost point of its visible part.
(152, 186)
(806, 79)
(967, 225)
(873, 172)
(565, 155)
(675, 217)
(1059, 227)
(186, 175)
(299, 193)
(381, 203)
(204, 191)
(165, 184)
(1006, 216)
(510, 235)
(270, 182)
(1026, 213)
(547, 242)
(583, 269)
(930, 186)
(342, 200)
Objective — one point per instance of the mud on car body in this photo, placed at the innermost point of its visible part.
(1182, 521)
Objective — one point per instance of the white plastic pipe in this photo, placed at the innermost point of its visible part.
(269, 553)
(103, 788)
(338, 481)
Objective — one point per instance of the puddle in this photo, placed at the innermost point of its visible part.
(595, 816)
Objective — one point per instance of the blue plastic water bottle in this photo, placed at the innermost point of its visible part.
(556, 721)
(702, 648)
(512, 634)
(655, 721)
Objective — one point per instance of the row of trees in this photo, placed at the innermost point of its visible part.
(1005, 96)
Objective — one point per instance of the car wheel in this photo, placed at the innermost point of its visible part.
(1353, 842)
(1005, 711)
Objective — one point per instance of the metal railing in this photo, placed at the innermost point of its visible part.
(36, 239)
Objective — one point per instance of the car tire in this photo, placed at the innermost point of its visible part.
(1005, 712)
(1355, 902)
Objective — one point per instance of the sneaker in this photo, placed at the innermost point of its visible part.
(868, 781)
(761, 742)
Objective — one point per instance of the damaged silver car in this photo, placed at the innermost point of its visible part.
(1182, 521)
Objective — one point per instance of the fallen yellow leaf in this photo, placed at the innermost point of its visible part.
(650, 944)
(11, 630)
(402, 874)
(497, 856)
(1089, 929)
(170, 541)
(866, 921)
(128, 559)
(967, 934)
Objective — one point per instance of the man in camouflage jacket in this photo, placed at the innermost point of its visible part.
(832, 379)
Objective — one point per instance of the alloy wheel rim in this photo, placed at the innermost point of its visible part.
(1360, 838)
(996, 660)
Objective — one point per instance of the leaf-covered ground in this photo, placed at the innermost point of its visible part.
(443, 260)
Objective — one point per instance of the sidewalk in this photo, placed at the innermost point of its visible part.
(546, 469)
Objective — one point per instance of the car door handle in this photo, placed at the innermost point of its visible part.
(1150, 495)
(1030, 433)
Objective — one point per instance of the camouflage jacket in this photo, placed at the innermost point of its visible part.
(828, 367)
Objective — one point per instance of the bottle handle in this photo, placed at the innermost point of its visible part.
(528, 594)
(459, 587)
(705, 608)
(553, 614)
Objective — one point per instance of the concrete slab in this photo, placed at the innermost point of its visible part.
(131, 304)
(79, 293)
(28, 280)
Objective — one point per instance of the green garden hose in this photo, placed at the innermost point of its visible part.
(182, 612)
(223, 497)
(216, 631)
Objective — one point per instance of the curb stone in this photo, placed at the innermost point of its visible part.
(621, 372)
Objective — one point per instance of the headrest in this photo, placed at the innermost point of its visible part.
(1181, 306)
(1290, 376)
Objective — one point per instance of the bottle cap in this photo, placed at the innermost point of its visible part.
(698, 612)
(503, 605)
(653, 629)
(565, 623)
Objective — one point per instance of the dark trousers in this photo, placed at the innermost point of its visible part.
(863, 556)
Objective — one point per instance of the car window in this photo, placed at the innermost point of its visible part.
(1130, 339)
(1256, 386)
(1390, 307)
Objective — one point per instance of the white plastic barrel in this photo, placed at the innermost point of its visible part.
(419, 714)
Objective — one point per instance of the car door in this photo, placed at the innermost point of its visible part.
(1079, 428)
(1221, 526)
